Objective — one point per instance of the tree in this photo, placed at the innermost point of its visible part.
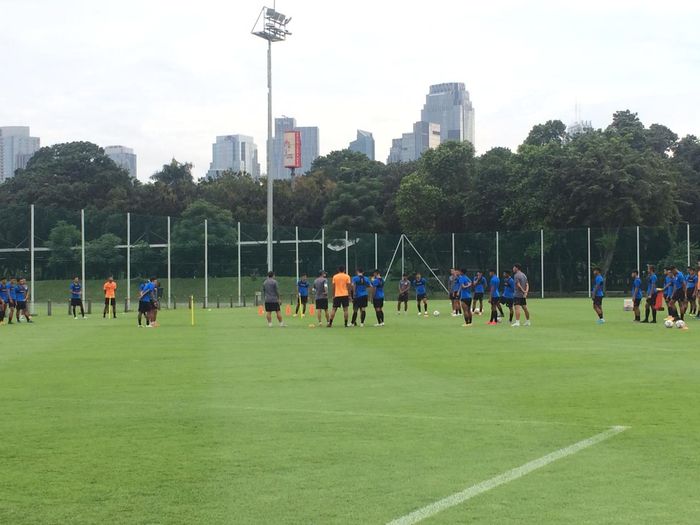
(239, 193)
(103, 257)
(627, 126)
(491, 191)
(354, 207)
(172, 191)
(417, 204)
(63, 242)
(551, 132)
(660, 139)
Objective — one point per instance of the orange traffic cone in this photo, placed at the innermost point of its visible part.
(288, 310)
(312, 310)
(261, 312)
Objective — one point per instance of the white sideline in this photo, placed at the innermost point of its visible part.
(501, 479)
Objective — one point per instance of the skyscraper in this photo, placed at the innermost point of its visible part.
(449, 105)
(394, 151)
(363, 144)
(309, 147)
(411, 146)
(16, 148)
(123, 157)
(237, 153)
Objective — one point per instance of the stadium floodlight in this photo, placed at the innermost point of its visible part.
(271, 25)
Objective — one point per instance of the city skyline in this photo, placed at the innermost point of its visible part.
(522, 64)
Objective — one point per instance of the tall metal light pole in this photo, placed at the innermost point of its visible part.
(271, 26)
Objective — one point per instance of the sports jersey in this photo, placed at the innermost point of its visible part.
(419, 285)
(651, 284)
(360, 284)
(303, 287)
(4, 292)
(479, 284)
(110, 289)
(75, 289)
(668, 286)
(598, 286)
(494, 286)
(454, 284)
(692, 281)
(678, 282)
(404, 286)
(465, 291)
(321, 288)
(340, 284)
(378, 284)
(147, 290)
(637, 285)
(509, 288)
(21, 292)
(13, 292)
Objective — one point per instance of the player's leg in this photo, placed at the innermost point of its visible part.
(467, 311)
(296, 311)
(345, 313)
(3, 306)
(114, 307)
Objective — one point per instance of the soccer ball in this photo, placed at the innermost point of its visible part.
(436, 313)
(668, 323)
(680, 324)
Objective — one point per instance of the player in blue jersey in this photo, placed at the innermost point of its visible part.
(480, 285)
(378, 299)
(76, 297)
(4, 298)
(668, 286)
(508, 293)
(692, 286)
(22, 299)
(636, 295)
(597, 293)
(494, 297)
(302, 295)
(465, 296)
(145, 303)
(13, 299)
(651, 294)
(360, 296)
(420, 285)
(453, 286)
(677, 305)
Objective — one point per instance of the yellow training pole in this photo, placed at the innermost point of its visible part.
(192, 308)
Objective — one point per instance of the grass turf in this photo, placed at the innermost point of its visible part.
(232, 422)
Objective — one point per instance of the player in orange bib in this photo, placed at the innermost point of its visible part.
(110, 288)
(341, 294)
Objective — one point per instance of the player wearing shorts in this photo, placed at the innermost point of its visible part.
(522, 289)
(465, 296)
(404, 289)
(650, 305)
(690, 298)
(22, 299)
(636, 295)
(420, 284)
(479, 289)
(597, 293)
(76, 297)
(143, 306)
(146, 303)
(494, 297)
(341, 295)
(360, 296)
(668, 286)
(320, 290)
(508, 293)
(271, 294)
(378, 298)
(454, 292)
(4, 299)
(302, 295)
(677, 306)
(110, 289)
(13, 299)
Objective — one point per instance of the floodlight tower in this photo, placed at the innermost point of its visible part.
(271, 26)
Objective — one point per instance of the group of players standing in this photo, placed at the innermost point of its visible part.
(680, 293)
(14, 298)
(464, 293)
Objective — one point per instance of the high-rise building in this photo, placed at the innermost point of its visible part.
(449, 105)
(411, 146)
(363, 144)
(123, 157)
(394, 151)
(16, 148)
(578, 127)
(237, 153)
(309, 147)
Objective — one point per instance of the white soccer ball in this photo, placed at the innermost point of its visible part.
(668, 323)
(680, 324)
(436, 313)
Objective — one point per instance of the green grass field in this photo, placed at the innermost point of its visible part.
(232, 422)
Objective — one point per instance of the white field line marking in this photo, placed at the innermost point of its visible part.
(511, 475)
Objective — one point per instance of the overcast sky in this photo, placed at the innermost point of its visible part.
(166, 77)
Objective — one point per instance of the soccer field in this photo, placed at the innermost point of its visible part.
(232, 422)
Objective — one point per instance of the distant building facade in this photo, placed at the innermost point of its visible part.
(449, 105)
(411, 146)
(309, 147)
(394, 151)
(364, 143)
(237, 153)
(578, 127)
(16, 148)
(123, 157)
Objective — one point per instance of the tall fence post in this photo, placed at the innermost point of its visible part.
(128, 261)
(542, 260)
(323, 248)
(589, 262)
(638, 258)
(82, 252)
(296, 249)
(403, 264)
(238, 243)
(31, 260)
(347, 248)
(498, 257)
(453, 250)
(687, 231)
(169, 268)
(206, 263)
(376, 252)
